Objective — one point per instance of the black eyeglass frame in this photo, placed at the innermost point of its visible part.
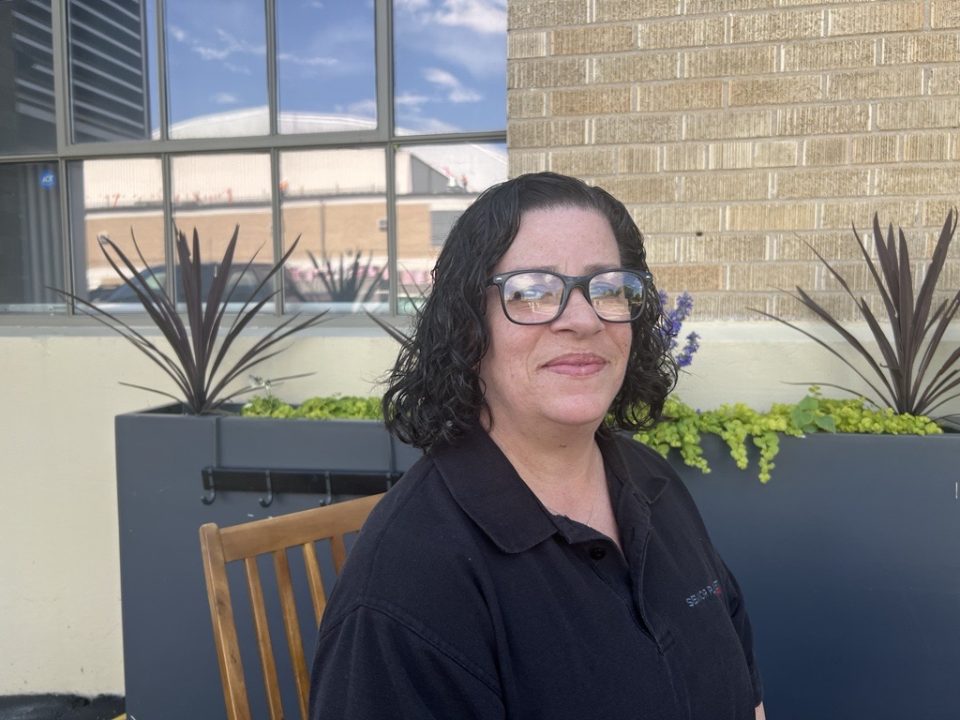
(571, 282)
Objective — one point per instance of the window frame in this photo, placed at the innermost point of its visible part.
(164, 148)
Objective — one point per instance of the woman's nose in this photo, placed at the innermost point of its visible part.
(579, 314)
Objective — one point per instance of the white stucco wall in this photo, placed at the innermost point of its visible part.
(59, 561)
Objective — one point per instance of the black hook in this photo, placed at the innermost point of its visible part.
(328, 498)
(268, 500)
(212, 492)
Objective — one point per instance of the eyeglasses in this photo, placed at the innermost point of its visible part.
(537, 297)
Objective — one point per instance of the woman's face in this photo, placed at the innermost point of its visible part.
(565, 373)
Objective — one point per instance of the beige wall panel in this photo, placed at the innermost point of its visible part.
(825, 151)
(547, 73)
(590, 101)
(874, 149)
(825, 183)
(946, 14)
(875, 17)
(590, 40)
(727, 61)
(921, 48)
(678, 96)
(776, 90)
(614, 10)
(546, 13)
(681, 33)
(584, 162)
(636, 68)
(873, 84)
(776, 26)
(941, 112)
(753, 125)
(829, 54)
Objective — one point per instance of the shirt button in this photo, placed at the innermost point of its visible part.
(598, 553)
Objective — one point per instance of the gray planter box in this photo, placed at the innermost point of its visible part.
(850, 562)
(170, 665)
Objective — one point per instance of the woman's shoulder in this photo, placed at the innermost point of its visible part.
(416, 544)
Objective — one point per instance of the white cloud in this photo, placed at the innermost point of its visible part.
(315, 61)
(225, 98)
(479, 16)
(410, 100)
(482, 16)
(364, 108)
(228, 45)
(456, 92)
(177, 33)
(238, 69)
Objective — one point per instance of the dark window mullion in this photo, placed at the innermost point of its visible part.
(162, 70)
(272, 85)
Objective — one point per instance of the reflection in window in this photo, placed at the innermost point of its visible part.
(335, 201)
(30, 243)
(450, 61)
(108, 69)
(217, 68)
(120, 198)
(435, 184)
(26, 77)
(216, 192)
(325, 66)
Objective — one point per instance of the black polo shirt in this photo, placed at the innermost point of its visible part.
(465, 598)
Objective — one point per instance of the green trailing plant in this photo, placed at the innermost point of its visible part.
(682, 428)
(197, 358)
(903, 376)
(346, 281)
(318, 408)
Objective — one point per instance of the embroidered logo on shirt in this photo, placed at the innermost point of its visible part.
(698, 597)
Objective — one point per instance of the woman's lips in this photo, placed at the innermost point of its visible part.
(576, 364)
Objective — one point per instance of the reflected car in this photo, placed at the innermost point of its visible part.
(249, 279)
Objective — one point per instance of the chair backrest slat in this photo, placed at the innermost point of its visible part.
(317, 593)
(224, 629)
(246, 541)
(271, 684)
(291, 623)
(339, 552)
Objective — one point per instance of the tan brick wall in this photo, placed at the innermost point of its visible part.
(739, 131)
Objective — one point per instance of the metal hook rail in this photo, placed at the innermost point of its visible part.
(269, 482)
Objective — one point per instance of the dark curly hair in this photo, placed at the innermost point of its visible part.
(434, 391)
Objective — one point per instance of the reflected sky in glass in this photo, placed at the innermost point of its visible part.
(450, 59)
(216, 58)
(326, 65)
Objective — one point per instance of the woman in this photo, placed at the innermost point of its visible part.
(534, 564)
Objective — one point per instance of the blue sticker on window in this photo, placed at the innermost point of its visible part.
(48, 180)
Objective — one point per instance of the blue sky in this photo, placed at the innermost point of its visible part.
(450, 66)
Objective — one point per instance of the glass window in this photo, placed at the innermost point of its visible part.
(27, 121)
(108, 69)
(215, 193)
(217, 68)
(326, 66)
(435, 184)
(31, 256)
(450, 65)
(120, 198)
(335, 200)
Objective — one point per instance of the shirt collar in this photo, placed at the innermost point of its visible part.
(489, 490)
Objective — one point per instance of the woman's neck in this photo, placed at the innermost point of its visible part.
(564, 468)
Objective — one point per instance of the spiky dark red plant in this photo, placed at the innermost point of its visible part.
(197, 358)
(908, 339)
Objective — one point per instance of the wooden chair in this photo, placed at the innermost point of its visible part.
(245, 542)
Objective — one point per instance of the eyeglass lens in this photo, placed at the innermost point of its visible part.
(535, 297)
